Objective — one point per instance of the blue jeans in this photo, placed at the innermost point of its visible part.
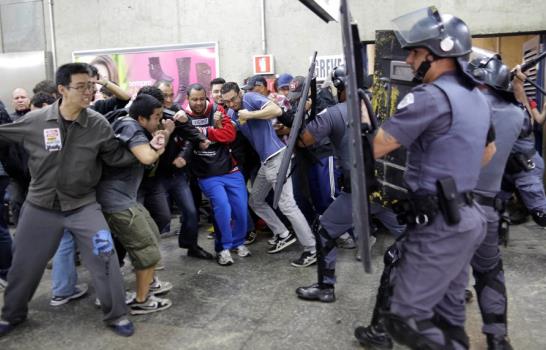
(64, 275)
(5, 237)
(322, 186)
(229, 200)
(177, 187)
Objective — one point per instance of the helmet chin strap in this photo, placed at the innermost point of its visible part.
(422, 71)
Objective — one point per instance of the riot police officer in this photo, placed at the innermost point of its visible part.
(508, 119)
(447, 142)
(337, 218)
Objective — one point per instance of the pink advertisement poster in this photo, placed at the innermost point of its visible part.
(132, 68)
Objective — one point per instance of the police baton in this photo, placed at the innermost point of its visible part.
(528, 65)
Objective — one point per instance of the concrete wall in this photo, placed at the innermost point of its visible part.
(292, 31)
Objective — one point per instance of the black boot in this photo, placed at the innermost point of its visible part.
(324, 293)
(372, 336)
(498, 342)
(539, 217)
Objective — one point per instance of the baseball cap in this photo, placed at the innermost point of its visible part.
(296, 88)
(256, 80)
(284, 80)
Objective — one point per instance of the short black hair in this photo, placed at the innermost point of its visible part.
(46, 86)
(230, 86)
(64, 73)
(152, 91)
(93, 71)
(143, 106)
(195, 86)
(218, 80)
(41, 98)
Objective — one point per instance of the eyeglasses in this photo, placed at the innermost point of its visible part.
(83, 88)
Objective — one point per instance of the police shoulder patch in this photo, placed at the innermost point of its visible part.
(406, 101)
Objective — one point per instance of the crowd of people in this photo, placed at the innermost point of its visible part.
(97, 177)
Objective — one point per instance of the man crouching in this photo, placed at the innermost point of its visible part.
(129, 221)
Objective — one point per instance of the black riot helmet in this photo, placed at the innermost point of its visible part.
(443, 35)
(488, 69)
(338, 76)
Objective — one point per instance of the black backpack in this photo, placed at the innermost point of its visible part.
(115, 114)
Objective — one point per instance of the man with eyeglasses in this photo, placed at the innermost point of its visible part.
(68, 143)
(253, 113)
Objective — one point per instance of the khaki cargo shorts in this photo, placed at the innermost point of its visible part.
(138, 233)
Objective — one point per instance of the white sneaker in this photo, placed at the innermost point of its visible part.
(79, 291)
(242, 251)
(158, 287)
(224, 258)
(151, 304)
(273, 240)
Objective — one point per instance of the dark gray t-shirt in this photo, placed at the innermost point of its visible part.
(332, 123)
(117, 190)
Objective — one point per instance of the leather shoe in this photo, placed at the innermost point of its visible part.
(369, 336)
(323, 293)
(199, 253)
(498, 342)
(5, 327)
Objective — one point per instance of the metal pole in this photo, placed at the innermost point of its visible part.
(264, 42)
(52, 34)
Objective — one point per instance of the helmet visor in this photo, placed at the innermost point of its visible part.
(418, 26)
(479, 54)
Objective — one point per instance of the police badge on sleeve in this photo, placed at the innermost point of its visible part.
(406, 101)
(52, 139)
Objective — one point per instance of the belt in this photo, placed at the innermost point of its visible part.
(463, 198)
(422, 210)
(493, 202)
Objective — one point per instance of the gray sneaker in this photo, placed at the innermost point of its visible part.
(242, 251)
(3, 284)
(151, 304)
(224, 258)
(79, 291)
(346, 242)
